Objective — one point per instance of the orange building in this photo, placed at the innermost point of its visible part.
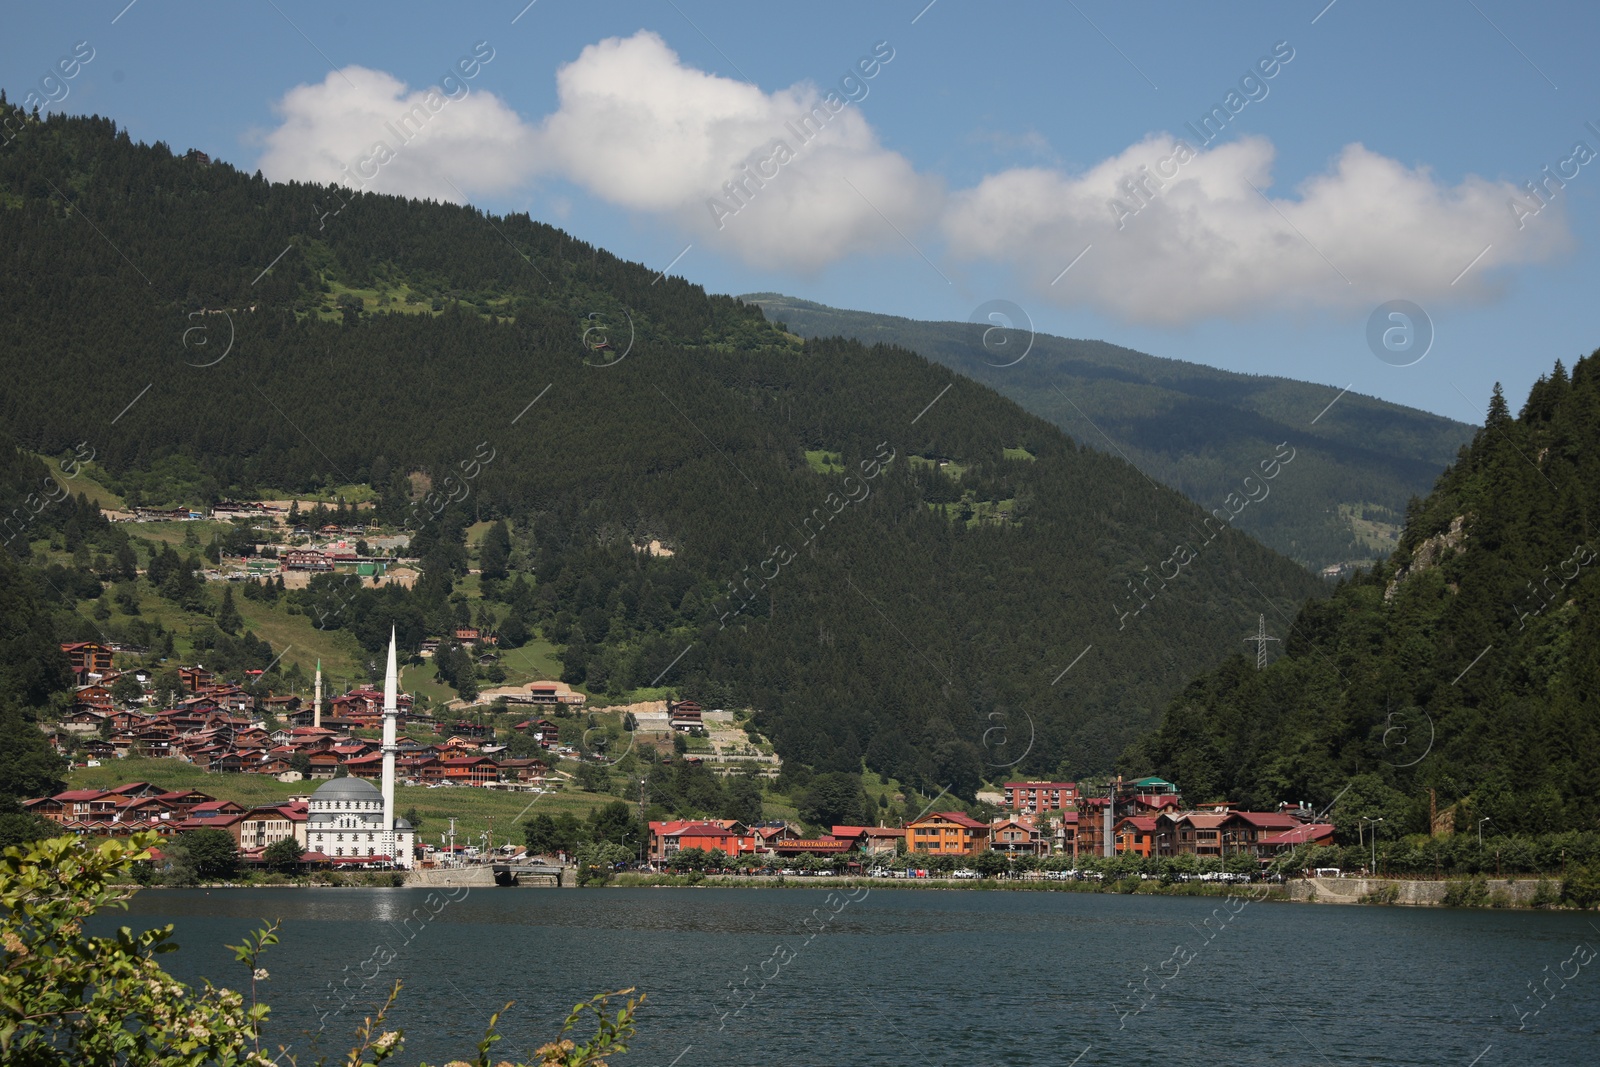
(1136, 834)
(669, 838)
(947, 833)
(470, 770)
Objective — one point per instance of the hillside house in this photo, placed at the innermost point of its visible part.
(86, 657)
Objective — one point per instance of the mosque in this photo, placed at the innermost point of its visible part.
(350, 818)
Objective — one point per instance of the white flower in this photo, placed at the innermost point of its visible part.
(261, 974)
(386, 1040)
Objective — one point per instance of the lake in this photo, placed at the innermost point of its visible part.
(913, 977)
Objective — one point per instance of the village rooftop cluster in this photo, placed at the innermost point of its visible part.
(222, 727)
(1147, 818)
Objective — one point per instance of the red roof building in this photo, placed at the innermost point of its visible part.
(1031, 798)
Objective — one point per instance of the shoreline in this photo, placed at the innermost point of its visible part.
(1513, 894)
(1510, 894)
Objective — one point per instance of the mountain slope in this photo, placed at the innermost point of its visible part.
(1193, 427)
(885, 585)
(1468, 663)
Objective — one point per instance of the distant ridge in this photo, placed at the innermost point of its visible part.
(1196, 428)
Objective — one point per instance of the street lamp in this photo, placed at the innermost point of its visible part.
(1481, 821)
(1374, 867)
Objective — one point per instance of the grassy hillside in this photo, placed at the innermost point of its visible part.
(1192, 427)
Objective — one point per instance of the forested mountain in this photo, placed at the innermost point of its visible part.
(1192, 427)
(1468, 663)
(886, 564)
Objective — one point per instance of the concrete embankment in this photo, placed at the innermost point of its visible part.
(473, 877)
(1400, 890)
(483, 877)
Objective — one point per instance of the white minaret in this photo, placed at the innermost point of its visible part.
(316, 702)
(391, 710)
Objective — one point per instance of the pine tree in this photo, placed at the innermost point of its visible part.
(228, 618)
(495, 552)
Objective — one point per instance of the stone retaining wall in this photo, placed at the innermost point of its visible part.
(1411, 891)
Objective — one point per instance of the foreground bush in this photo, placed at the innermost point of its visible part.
(70, 1000)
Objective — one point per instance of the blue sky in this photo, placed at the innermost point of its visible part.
(991, 146)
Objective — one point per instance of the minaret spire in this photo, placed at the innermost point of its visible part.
(316, 703)
(390, 713)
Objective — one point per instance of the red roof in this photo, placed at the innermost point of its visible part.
(214, 805)
(1313, 831)
(961, 819)
(80, 794)
(702, 829)
(1268, 820)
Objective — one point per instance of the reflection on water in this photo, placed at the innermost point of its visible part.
(906, 976)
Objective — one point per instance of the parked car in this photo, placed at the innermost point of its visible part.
(965, 872)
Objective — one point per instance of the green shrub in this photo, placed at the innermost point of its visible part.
(1467, 893)
(70, 1000)
(67, 998)
(1581, 887)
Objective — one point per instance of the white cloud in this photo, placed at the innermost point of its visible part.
(1198, 242)
(640, 129)
(637, 129)
(365, 129)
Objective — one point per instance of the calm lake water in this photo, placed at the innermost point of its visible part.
(915, 977)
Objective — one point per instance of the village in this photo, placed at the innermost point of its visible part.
(222, 728)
